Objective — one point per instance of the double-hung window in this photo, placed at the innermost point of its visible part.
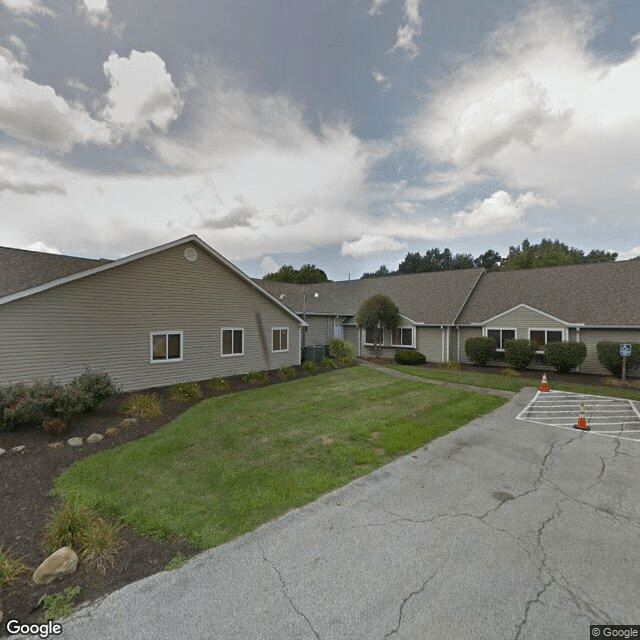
(500, 337)
(540, 337)
(232, 341)
(402, 337)
(280, 339)
(166, 346)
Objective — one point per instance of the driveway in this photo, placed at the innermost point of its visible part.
(502, 529)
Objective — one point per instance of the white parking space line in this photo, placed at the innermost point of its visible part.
(606, 416)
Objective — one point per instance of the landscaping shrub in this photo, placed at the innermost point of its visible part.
(10, 568)
(255, 377)
(59, 605)
(451, 365)
(310, 366)
(610, 358)
(565, 356)
(329, 363)
(479, 349)
(18, 409)
(519, 353)
(94, 387)
(219, 383)
(286, 373)
(341, 350)
(409, 356)
(142, 405)
(186, 392)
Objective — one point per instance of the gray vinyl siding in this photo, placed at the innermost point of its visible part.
(591, 337)
(320, 330)
(351, 336)
(465, 334)
(104, 321)
(429, 342)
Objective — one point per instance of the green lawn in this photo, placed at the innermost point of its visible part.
(508, 383)
(229, 464)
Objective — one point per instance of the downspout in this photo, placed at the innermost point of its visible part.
(458, 348)
(578, 340)
(442, 350)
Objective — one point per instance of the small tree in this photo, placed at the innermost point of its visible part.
(610, 358)
(378, 314)
(565, 356)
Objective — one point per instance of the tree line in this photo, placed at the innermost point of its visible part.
(547, 253)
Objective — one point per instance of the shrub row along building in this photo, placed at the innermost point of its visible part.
(182, 312)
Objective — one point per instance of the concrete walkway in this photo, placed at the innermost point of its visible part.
(501, 530)
(441, 383)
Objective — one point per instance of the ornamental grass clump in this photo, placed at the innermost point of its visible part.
(186, 392)
(219, 383)
(286, 373)
(142, 405)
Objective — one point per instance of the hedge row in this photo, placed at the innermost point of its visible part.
(563, 356)
(24, 406)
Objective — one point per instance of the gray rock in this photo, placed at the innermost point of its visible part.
(75, 442)
(19, 449)
(128, 422)
(94, 438)
(60, 563)
(1, 451)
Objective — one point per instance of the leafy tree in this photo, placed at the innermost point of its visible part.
(378, 314)
(462, 261)
(380, 273)
(307, 274)
(550, 253)
(412, 263)
(489, 260)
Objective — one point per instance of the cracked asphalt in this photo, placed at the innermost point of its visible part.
(501, 529)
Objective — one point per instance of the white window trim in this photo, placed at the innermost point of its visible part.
(230, 355)
(563, 330)
(277, 329)
(413, 338)
(167, 334)
(485, 333)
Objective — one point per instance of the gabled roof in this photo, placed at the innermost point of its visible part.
(78, 270)
(433, 298)
(603, 294)
(21, 269)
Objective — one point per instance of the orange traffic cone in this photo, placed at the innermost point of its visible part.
(582, 421)
(544, 385)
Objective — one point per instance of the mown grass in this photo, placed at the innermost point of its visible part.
(509, 383)
(231, 463)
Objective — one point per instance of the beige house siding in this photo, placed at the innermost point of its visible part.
(522, 320)
(351, 335)
(320, 330)
(591, 337)
(429, 342)
(104, 321)
(465, 333)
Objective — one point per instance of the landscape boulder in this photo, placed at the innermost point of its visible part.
(111, 432)
(128, 422)
(19, 449)
(74, 442)
(60, 563)
(95, 438)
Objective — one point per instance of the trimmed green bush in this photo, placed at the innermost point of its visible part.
(565, 356)
(519, 353)
(409, 356)
(341, 350)
(286, 373)
(310, 366)
(610, 358)
(479, 349)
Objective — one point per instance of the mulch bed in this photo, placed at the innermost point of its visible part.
(26, 480)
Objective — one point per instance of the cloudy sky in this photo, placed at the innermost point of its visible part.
(339, 132)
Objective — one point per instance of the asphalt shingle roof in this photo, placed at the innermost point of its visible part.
(426, 298)
(21, 269)
(599, 294)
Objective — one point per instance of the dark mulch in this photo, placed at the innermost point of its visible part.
(25, 503)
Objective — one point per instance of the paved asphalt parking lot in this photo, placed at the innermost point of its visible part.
(501, 529)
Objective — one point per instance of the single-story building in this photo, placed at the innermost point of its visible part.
(440, 310)
(173, 313)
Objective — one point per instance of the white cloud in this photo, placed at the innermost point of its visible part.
(42, 247)
(97, 12)
(141, 93)
(369, 243)
(37, 114)
(268, 265)
(628, 255)
(380, 79)
(410, 29)
(376, 7)
(26, 7)
(538, 110)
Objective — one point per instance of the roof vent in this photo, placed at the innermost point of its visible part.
(190, 254)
